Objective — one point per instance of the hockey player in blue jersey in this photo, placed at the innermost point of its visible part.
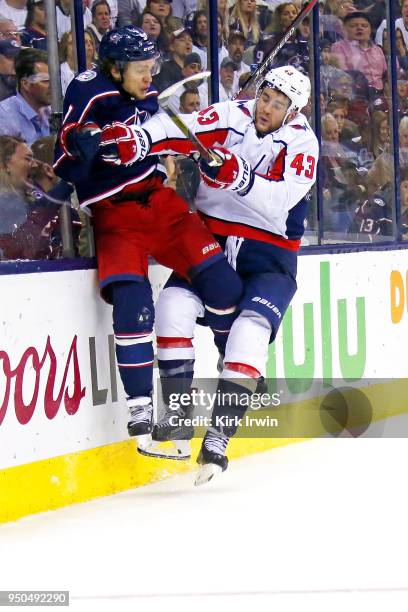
(255, 205)
(102, 150)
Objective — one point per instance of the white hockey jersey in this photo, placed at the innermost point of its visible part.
(284, 165)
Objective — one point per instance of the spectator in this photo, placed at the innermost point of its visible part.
(9, 30)
(68, 63)
(199, 22)
(16, 163)
(63, 10)
(404, 204)
(402, 51)
(250, 92)
(338, 166)
(190, 101)
(155, 29)
(373, 217)
(129, 12)
(381, 133)
(101, 20)
(25, 223)
(199, 31)
(51, 193)
(160, 8)
(401, 23)
(329, 69)
(181, 45)
(182, 8)
(358, 52)
(227, 72)
(235, 48)
(402, 93)
(35, 31)
(15, 10)
(282, 17)
(382, 171)
(192, 66)
(403, 134)
(332, 19)
(348, 130)
(113, 8)
(245, 19)
(8, 53)
(25, 115)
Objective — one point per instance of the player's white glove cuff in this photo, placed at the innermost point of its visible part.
(244, 179)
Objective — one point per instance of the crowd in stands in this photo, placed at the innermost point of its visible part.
(356, 167)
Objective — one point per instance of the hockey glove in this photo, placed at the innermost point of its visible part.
(122, 144)
(81, 141)
(234, 173)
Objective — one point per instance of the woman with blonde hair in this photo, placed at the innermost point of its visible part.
(66, 51)
(244, 18)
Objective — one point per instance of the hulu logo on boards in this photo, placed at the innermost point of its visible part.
(319, 350)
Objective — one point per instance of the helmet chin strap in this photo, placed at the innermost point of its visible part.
(288, 112)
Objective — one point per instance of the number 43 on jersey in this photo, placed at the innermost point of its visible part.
(304, 165)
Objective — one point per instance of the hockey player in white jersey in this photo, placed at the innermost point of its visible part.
(254, 203)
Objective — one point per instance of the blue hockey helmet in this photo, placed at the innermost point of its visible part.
(127, 44)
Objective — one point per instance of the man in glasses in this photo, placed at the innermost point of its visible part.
(26, 114)
(9, 30)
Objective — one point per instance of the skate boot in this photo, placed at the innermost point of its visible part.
(140, 424)
(171, 427)
(212, 457)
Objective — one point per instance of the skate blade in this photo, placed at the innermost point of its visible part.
(207, 473)
(179, 451)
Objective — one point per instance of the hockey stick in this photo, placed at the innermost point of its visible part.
(163, 100)
(263, 68)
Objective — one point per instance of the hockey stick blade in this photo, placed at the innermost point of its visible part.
(163, 100)
(263, 68)
(165, 95)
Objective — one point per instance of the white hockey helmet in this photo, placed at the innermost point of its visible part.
(291, 82)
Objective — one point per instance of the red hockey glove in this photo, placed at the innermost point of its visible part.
(80, 140)
(122, 144)
(234, 173)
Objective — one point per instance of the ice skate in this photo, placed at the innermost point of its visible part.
(140, 424)
(212, 457)
(171, 427)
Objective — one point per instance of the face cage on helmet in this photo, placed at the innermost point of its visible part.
(121, 65)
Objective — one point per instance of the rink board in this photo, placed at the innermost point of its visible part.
(62, 415)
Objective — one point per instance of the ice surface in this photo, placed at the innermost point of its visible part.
(320, 525)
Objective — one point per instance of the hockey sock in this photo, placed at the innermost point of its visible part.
(176, 365)
(220, 288)
(232, 401)
(133, 327)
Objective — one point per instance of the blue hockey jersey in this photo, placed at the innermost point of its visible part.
(93, 97)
